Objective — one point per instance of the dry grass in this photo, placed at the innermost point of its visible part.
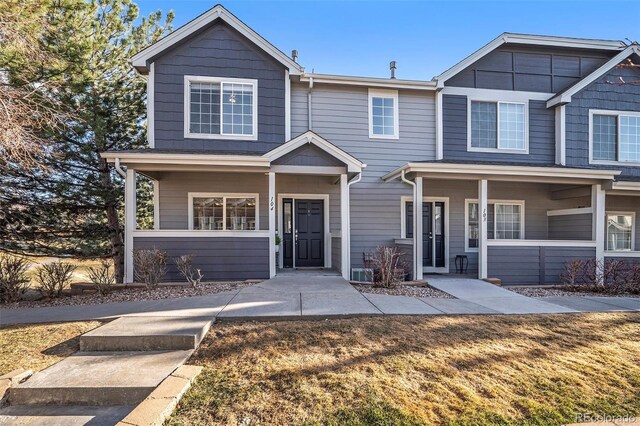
(485, 370)
(35, 347)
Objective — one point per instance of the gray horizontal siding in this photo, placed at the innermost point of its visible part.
(570, 227)
(219, 258)
(340, 114)
(541, 134)
(532, 265)
(531, 69)
(599, 95)
(336, 253)
(219, 51)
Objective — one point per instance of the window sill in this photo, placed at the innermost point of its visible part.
(498, 150)
(392, 137)
(615, 163)
(220, 137)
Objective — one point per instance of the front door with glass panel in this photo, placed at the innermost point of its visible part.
(433, 232)
(303, 233)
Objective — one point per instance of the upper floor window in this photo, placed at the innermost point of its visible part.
(498, 126)
(615, 136)
(221, 108)
(383, 114)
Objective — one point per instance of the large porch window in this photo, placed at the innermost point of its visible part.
(620, 231)
(223, 212)
(505, 221)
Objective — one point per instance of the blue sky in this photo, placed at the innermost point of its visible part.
(425, 38)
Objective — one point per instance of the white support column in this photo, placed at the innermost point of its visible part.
(483, 211)
(272, 224)
(156, 204)
(129, 222)
(345, 225)
(417, 229)
(598, 207)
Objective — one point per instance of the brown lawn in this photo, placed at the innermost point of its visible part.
(34, 347)
(466, 370)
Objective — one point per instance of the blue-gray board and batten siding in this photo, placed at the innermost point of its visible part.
(603, 94)
(218, 51)
(219, 258)
(529, 69)
(541, 134)
(533, 265)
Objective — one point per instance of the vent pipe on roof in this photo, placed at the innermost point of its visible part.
(392, 67)
(294, 55)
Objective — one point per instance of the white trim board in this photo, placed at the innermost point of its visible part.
(151, 117)
(541, 243)
(403, 229)
(224, 196)
(140, 59)
(185, 233)
(327, 223)
(611, 253)
(496, 94)
(384, 94)
(569, 212)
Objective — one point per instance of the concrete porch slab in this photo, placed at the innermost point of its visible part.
(401, 305)
(251, 304)
(304, 282)
(457, 306)
(336, 304)
(147, 333)
(43, 415)
(99, 378)
(584, 304)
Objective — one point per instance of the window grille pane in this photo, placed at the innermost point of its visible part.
(472, 223)
(237, 102)
(507, 219)
(241, 214)
(207, 213)
(483, 125)
(629, 138)
(512, 134)
(382, 111)
(605, 136)
(619, 232)
(205, 108)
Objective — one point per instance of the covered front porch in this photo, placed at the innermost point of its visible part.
(516, 223)
(243, 217)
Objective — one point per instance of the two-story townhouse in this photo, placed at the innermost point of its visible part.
(512, 152)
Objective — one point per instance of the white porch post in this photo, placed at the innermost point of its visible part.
(129, 222)
(482, 225)
(345, 225)
(156, 204)
(417, 228)
(272, 224)
(598, 223)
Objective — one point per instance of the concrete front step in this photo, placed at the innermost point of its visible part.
(99, 378)
(147, 333)
(46, 415)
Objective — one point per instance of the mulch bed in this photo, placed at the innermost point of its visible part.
(414, 290)
(559, 291)
(134, 294)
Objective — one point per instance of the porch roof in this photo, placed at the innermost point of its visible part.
(514, 172)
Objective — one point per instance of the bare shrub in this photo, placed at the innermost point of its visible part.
(13, 277)
(613, 276)
(150, 266)
(193, 275)
(388, 267)
(103, 277)
(573, 273)
(54, 277)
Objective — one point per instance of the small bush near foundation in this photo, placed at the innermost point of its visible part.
(13, 277)
(150, 266)
(388, 267)
(103, 277)
(54, 277)
(185, 266)
(613, 276)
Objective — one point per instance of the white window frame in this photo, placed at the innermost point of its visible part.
(380, 93)
(468, 201)
(224, 196)
(188, 79)
(633, 229)
(490, 99)
(616, 114)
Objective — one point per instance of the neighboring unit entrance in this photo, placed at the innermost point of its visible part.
(303, 233)
(433, 232)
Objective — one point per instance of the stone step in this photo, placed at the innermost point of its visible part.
(47, 415)
(99, 378)
(147, 333)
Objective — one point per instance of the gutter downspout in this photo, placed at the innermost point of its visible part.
(119, 169)
(310, 121)
(415, 238)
